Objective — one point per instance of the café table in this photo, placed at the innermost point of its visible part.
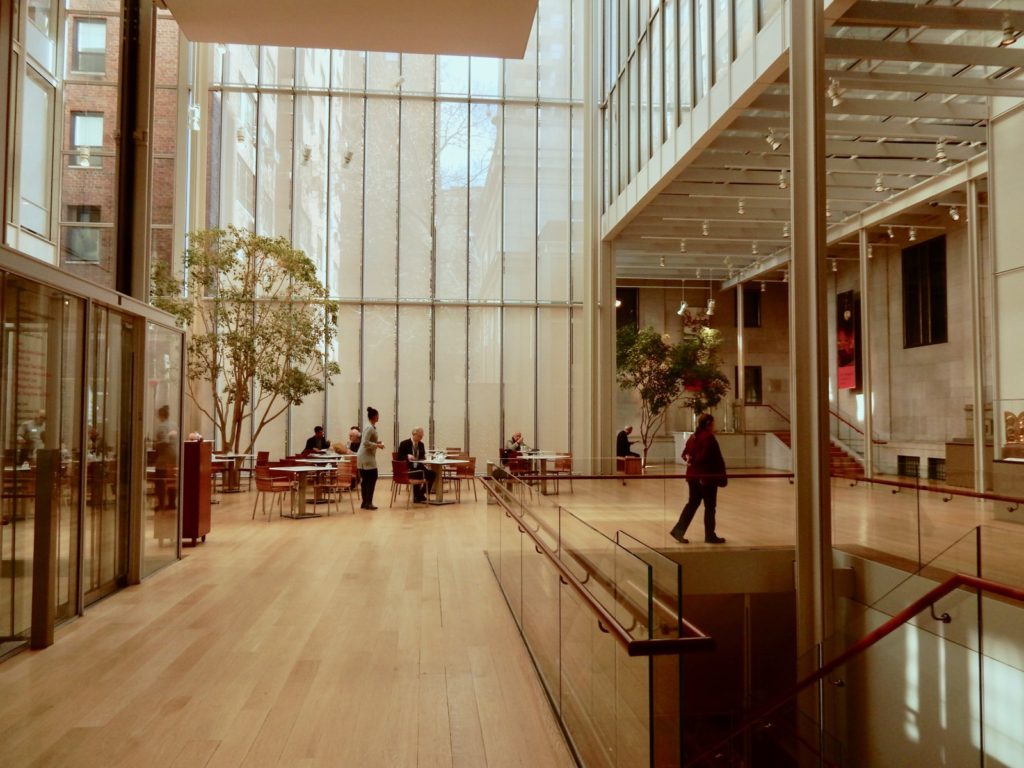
(438, 464)
(298, 510)
(540, 461)
(233, 474)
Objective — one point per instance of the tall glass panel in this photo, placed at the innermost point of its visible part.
(671, 56)
(519, 350)
(723, 38)
(485, 195)
(108, 458)
(450, 389)
(415, 339)
(485, 77)
(484, 401)
(383, 71)
(345, 220)
(40, 425)
(743, 18)
(418, 73)
(309, 206)
(553, 176)
(519, 227)
(164, 140)
(161, 424)
(657, 95)
(686, 56)
(380, 370)
(702, 44)
(553, 406)
(415, 209)
(555, 48)
(452, 75)
(343, 394)
(451, 199)
(521, 74)
(381, 211)
(274, 175)
(644, 58)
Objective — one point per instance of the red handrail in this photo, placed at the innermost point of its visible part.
(871, 638)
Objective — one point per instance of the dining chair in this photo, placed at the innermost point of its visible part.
(267, 483)
(465, 473)
(336, 482)
(562, 466)
(399, 477)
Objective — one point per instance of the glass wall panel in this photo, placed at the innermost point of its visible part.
(723, 38)
(744, 21)
(686, 56)
(644, 59)
(277, 65)
(767, 9)
(553, 204)
(239, 64)
(576, 206)
(345, 220)
(633, 155)
(164, 141)
(575, 31)
(348, 69)
(577, 397)
(452, 75)
(312, 67)
(415, 339)
(108, 465)
(485, 77)
(554, 28)
(657, 95)
(343, 394)
(553, 406)
(450, 388)
(383, 71)
(519, 354)
(484, 399)
(274, 177)
(485, 185)
(381, 212)
(521, 74)
(415, 208)
(237, 200)
(380, 372)
(302, 420)
(671, 57)
(309, 209)
(520, 213)
(451, 199)
(417, 73)
(701, 43)
(161, 424)
(40, 426)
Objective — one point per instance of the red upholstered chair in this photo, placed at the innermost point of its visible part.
(465, 473)
(400, 477)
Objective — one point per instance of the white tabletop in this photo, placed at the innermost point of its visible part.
(429, 460)
(326, 459)
(543, 456)
(232, 455)
(296, 469)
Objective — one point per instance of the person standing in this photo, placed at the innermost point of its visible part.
(165, 448)
(31, 435)
(622, 442)
(366, 458)
(705, 474)
(413, 451)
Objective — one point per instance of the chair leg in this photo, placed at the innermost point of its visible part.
(255, 502)
(394, 491)
(473, 483)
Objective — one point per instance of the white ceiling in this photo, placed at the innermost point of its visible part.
(497, 28)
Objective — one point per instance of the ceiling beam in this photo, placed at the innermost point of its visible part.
(888, 14)
(966, 86)
(890, 129)
(922, 150)
(930, 53)
(940, 110)
(777, 162)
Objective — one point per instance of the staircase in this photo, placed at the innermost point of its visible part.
(840, 462)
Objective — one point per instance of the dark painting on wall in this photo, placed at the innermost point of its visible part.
(848, 340)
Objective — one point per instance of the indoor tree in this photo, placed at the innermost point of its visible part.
(260, 325)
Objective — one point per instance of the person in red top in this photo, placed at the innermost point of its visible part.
(705, 474)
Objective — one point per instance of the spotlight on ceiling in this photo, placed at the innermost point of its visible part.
(682, 308)
(912, 235)
(954, 213)
(618, 303)
(828, 210)
(940, 151)
(785, 229)
(889, 232)
(740, 207)
(834, 92)
(835, 265)
(662, 261)
(753, 248)
(871, 251)
(879, 183)
(705, 228)
(783, 181)
(764, 287)
(773, 142)
(682, 245)
(711, 308)
(1010, 35)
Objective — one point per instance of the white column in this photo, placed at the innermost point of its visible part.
(808, 312)
(977, 356)
(865, 353)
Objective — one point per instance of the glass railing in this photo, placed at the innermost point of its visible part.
(601, 617)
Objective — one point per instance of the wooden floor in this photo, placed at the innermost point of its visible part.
(380, 638)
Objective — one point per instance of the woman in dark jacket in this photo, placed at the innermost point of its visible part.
(705, 474)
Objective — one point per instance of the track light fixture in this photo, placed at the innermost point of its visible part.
(682, 308)
(682, 299)
(954, 213)
(764, 287)
(940, 151)
(785, 275)
(705, 228)
(711, 308)
(682, 245)
(753, 248)
(785, 229)
(783, 181)
(871, 251)
(662, 261)
(828, 210)
(618, 303)
(834, 92)
(835, 265)
(1010, 35)
(773, 142)
(912, 235)
(879, 183)
(889, 232)
(740, 209)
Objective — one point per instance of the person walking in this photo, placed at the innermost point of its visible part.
(705, 474)
(366, 458)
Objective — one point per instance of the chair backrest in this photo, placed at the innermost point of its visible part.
(395, 456)
(563, 462)
(517, 465)
(508, 453)
(344, 472)
(399, 472)
(262, 458)
(468, 469)
(265, 480)
(453, 453)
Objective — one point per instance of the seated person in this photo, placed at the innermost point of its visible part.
(516, 443)
(622, 442)
(318, 442)
(413, 451)
(355, 437)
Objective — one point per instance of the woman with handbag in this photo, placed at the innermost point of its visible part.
(705, 474)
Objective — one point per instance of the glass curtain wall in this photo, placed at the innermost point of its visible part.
(440, 198)
(659, 58)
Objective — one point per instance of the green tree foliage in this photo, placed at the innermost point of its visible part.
(260, 326)
(661, 372)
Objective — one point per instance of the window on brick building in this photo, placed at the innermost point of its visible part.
(924, 293)
(90, 46)
(82, 243)
(86, 135)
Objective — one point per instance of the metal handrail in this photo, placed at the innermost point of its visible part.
(696, 640)
(949, 490)
(927, 600)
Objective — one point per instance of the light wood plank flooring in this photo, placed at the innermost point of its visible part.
(379, 639)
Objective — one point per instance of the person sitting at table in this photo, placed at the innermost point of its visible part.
(413, 451)
(622, 442)
(318, 442)
(354, 438)
(516, 443)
